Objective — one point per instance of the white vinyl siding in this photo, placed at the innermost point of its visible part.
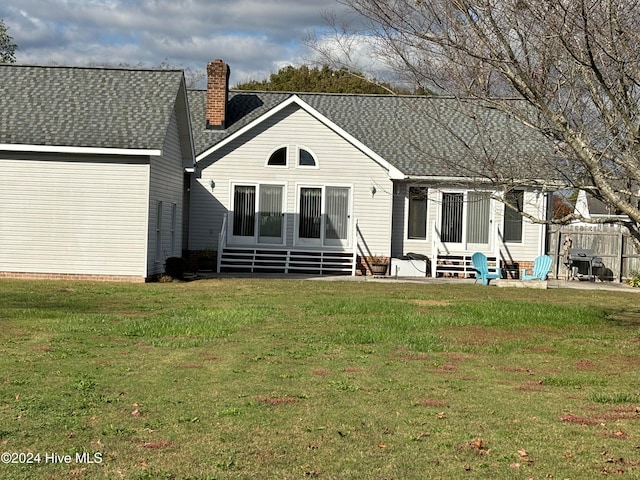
(339, 163)
(166, 180)
(477, 226)
(73, 217)
(533, 241)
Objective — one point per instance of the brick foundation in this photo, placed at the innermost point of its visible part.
(363, 265)
(527, 266)
(72, 277)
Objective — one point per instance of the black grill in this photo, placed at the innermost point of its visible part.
(583, 261)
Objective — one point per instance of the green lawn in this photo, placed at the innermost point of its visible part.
(292, 379)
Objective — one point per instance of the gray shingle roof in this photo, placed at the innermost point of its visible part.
(421, 136)
(86, 107)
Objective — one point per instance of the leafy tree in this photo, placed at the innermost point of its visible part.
(321, 80)
(7, 47)
(573, 63)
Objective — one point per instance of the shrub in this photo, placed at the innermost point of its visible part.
(634, 280)
(175, 267)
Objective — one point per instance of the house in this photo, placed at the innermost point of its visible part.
(92, 169)
(327, 183)
(105, 173)
(595, 212)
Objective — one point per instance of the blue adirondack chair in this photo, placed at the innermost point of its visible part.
(541, 268)
(482, 267)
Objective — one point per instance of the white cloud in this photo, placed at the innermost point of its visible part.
(255, 37)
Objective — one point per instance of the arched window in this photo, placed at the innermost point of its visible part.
(278, 158)
(305, 158)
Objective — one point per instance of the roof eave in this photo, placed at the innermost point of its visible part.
(147, 152)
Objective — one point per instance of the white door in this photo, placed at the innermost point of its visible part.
(271, 226)
(323, 216)
(336, 217)
(465, 221)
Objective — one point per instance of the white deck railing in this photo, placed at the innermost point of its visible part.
(256, 258)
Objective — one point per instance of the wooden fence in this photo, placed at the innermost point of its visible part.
(614, 245)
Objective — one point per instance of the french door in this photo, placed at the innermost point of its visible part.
(465, 220)
(323, 216)
(257, 215)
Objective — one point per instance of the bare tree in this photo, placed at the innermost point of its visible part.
(574, 64)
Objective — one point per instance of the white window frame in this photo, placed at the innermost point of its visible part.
(312, 153)
(406, 219)
(287, 159)
(522, 222)
(322, 241)
(464, 244)
(174, 220)
(159, 231)
(254, 240)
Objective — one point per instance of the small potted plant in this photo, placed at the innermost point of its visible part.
(379, 265)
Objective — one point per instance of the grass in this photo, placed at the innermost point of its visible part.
(284, 379)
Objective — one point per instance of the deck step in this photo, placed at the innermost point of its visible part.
(286, 261)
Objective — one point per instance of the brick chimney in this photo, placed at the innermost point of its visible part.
(217, 94)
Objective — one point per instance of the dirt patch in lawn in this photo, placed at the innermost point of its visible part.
(275, 400)
(432, 402)
(473, 336)
(585, 365)
(431, 303)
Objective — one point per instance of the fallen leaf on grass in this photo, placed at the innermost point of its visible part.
(477, 446)
(606, 471)
(524, 456)
(478, 443)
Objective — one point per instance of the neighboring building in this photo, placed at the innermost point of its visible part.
(595, 212)
(325, 182)
(92, 168)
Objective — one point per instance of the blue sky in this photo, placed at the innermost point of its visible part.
(255, 37)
